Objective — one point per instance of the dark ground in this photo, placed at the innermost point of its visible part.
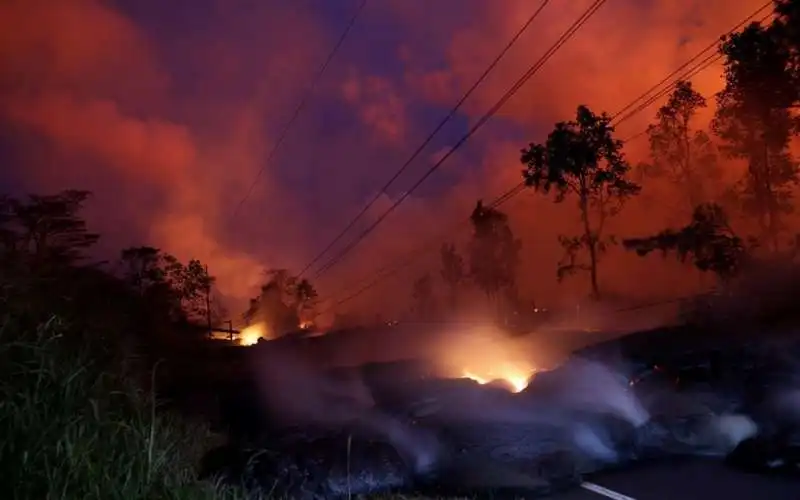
(692, 480)
(221, 390)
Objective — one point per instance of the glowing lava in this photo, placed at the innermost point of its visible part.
(515, 376)
(252, 334)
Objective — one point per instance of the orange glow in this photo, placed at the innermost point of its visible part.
(252, 334)
(485, 355)
(126, 120)
(515, 375)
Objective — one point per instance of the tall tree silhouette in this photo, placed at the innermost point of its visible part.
(582, 159)
(787, 24)
(8, 238)
(493, 251)
(707, 241)
(194, 285)
(305, 299)
(142, 267)
(166, 283)
(49, 228)
(453, 273)
(684, 156)
(755, 123)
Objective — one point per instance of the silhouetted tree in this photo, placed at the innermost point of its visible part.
(144, 270)
(424, 305)
(283, 280)
(680, 154)
(754, 121)
(582, 159)
(305, 296)
(8, 240)
(278, 286)
(45, 273)
(166, 283)
(193, 284)
(787, 28)
(48, 228)
(270, 308)
(219, 312)
(452, 272)
(493, 251)
(283, 302)
(142, 267)
(707, 241)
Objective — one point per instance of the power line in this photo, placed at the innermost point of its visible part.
(300, 106)
(705, 64)
(702, 66)
(482, 121)
(708, 61)
(430, 137)
(390, 270)
(664, 92)
(506, 196)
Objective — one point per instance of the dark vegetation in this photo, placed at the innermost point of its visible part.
(284, 302)
(101, 361)
(86, 350)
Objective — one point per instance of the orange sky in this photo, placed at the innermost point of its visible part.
(168, 110)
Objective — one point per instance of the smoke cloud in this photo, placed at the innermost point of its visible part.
(180, 117)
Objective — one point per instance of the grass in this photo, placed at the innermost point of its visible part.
(76, 426)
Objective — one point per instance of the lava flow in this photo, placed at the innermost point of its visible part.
(515, 376)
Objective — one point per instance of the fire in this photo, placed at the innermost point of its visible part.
(514, 375)
(484, 354)
(251, 334)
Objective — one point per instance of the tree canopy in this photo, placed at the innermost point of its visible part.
(754, 122)
(493, 251)
(679, 153)
(583, 160)
(708, 241)
(284, 302)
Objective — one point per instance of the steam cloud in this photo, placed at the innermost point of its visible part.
(582, 401)
(298, 393)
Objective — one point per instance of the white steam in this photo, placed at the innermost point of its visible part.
(297, 393)
(730, 430)
(575, 398)
(589, 386)
(589, 441)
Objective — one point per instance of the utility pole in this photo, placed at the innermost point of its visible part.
(208, 302)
